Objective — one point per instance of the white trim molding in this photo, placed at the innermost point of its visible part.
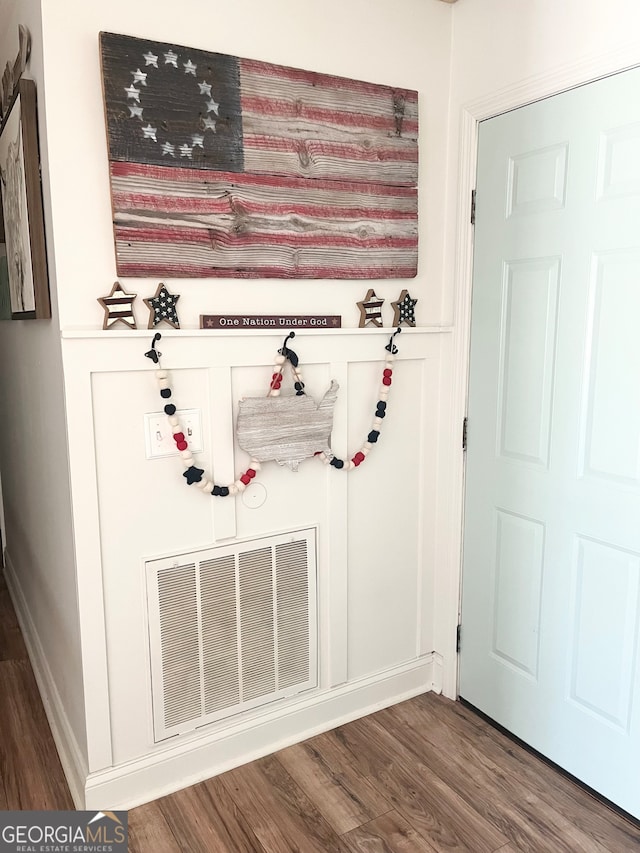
(71, 758)
(189, 760)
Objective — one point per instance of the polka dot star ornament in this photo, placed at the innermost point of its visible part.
(404, 310)
(162, 308)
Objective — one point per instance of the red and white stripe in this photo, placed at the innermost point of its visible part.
(191, 223)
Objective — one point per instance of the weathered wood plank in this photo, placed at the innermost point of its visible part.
(345, 797)
(389, 833)
(191, 226)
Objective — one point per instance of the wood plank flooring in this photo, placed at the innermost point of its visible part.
(426, 775)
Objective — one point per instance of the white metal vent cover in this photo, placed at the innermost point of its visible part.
(231, 628)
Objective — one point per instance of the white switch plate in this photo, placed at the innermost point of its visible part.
(159, 438)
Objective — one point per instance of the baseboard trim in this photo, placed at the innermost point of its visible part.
(186, 763)
(71, 758)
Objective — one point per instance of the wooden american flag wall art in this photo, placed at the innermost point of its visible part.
(228, 167)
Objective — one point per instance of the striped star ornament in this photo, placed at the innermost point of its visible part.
(118, 306)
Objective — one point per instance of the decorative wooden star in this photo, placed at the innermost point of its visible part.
(162, 308)
(118, 305)
(370, 310)
(404, 310)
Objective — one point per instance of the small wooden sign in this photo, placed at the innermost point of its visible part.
(270, 321)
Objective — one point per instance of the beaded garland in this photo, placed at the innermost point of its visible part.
(194, 475)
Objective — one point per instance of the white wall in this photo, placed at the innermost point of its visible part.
(505, 53)
(378, 529)
(34, 461)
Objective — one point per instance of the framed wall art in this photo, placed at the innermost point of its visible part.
(23, 259)
(234, 168)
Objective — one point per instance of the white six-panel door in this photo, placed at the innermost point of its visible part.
(550, 608)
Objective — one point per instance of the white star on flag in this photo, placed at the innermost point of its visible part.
(150, 59)
(168, 148)
(171, 58)
(209, 124)
(136, 111)
(197, 140)
(205, 88)
(150, 132)
(139, 77)
(212, 107)
(189, 67)
(185, 151)
(132, 92)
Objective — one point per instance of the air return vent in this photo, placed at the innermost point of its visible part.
(231, 628)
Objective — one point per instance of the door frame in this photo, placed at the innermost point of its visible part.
(448, 583)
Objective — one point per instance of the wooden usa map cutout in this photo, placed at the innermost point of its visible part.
(286, 429)
(228, 167)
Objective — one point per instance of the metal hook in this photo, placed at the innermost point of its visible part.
(283, 351)
(289, 353)
(153, 353)
(391, 346)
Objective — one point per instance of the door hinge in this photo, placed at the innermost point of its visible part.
(473, 207)
(458, 636)
(464, 433)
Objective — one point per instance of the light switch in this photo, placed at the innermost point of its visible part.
(159, 437)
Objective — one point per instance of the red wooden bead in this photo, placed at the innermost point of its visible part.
(359, 457)
(387, 372)
(178, 436)
(386, 380)
(276, 376)
(246, 479)
(182, 445)
(251, 473)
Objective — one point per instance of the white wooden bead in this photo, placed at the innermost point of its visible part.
(173, 420)
(161, 374)
(176, 428)
(187, 455)
(367, 445)
(240, 486)
(325, 458)
(275, 392)
(383, 393)
(206, 485)
(389, 357)
(350, 466)
(364, 450)
(279, 359)
(163, 383)
(377, 422)
(233, 489)
(255, 465)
